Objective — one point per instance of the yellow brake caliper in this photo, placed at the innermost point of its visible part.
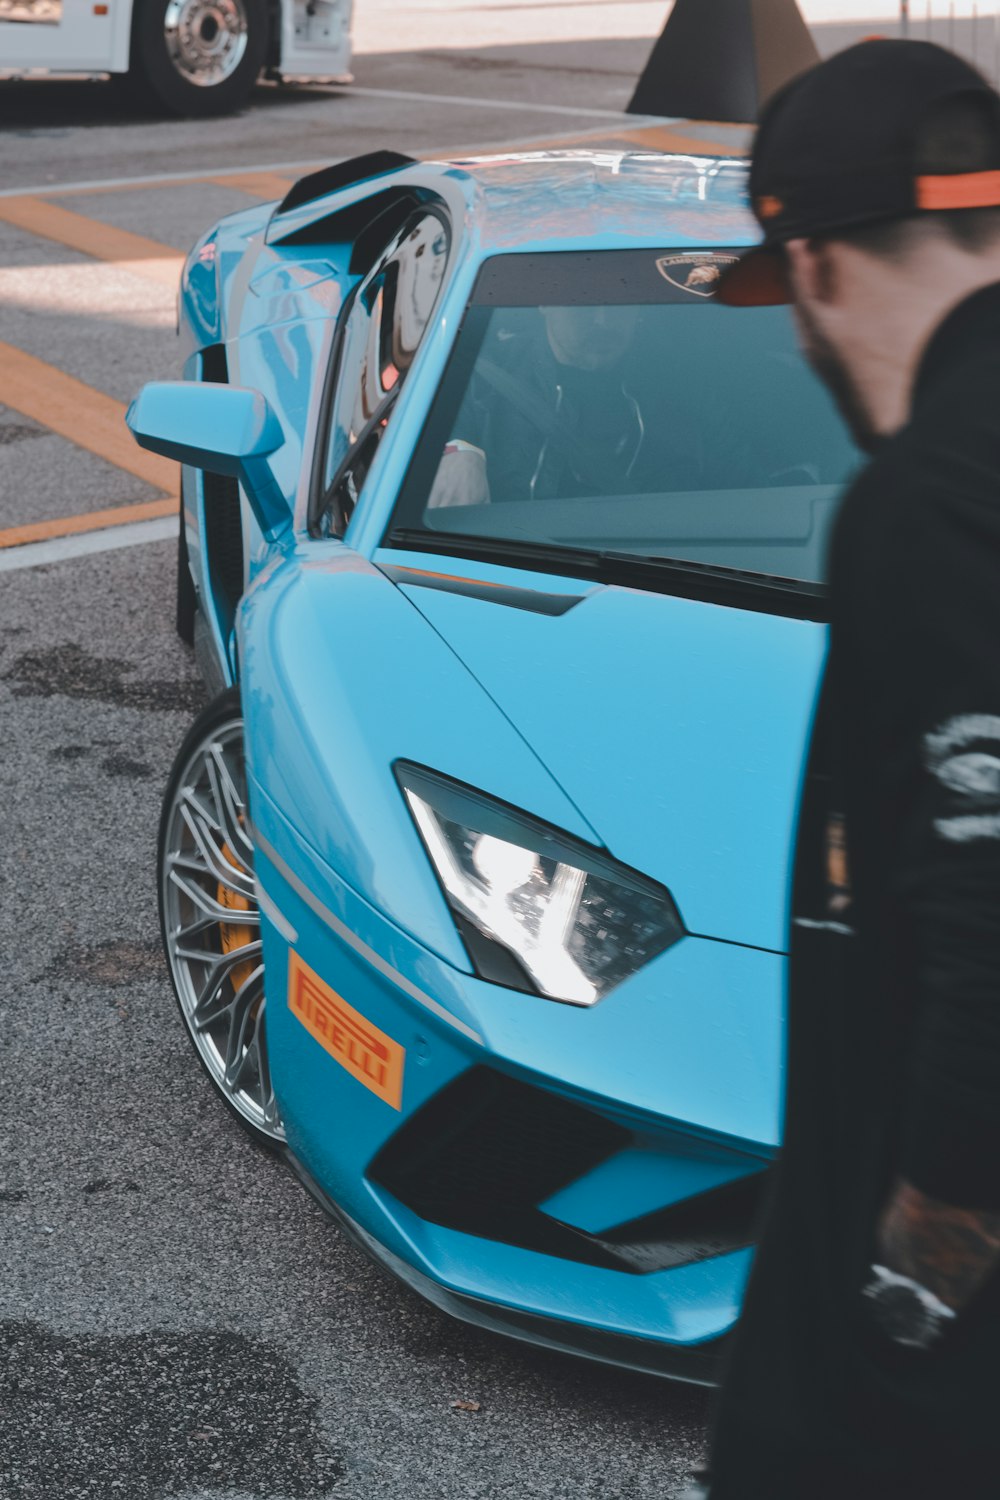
(233, 935)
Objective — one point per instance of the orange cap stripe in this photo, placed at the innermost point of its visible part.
(960, 190)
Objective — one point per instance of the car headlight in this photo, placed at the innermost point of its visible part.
(538, 910)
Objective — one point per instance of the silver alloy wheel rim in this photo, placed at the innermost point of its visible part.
(206, 39)
(208, 896)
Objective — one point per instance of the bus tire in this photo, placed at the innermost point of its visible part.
(196, 57)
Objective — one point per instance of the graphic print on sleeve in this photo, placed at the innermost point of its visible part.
(963, 754)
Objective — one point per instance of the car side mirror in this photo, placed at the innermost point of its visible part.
(225, 429)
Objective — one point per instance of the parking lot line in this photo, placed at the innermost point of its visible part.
(266, 185)
(661, 136)
(147, 258)
(666, 138)
(288, 171)
(38, 554)
(466, 101)
(94, 520)
(159, 179)
(75, 411)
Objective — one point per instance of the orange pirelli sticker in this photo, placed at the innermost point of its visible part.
(370, 1056)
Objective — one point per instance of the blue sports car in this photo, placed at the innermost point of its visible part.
(501, 544)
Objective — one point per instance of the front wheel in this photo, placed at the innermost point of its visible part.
(197, 57)
(210, 919)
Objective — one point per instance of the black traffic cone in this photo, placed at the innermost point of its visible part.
(723, 59)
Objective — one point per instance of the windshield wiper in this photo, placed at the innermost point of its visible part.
(709, 582)
(681, 565)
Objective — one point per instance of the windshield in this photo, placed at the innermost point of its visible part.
(604, 402)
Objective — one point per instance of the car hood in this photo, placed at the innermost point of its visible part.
(676, 727)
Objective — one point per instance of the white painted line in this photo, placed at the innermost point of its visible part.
(524, 107)
(55, 189)
(86, 543)
(228, 169)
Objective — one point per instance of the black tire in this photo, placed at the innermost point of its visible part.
(217, 975)
(187, 599)
(154, 79)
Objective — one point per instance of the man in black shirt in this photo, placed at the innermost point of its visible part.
(867, 1362)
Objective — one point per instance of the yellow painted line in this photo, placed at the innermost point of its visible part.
(650, 137)
(88, 418)
(94, 520)
(147, 258)
(266, 185)
(663, 138)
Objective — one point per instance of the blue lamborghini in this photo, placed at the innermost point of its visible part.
(501, 546)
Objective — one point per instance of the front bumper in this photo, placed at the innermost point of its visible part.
(581, 1179)
(694, 1365)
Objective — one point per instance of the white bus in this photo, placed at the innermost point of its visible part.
(188, 57)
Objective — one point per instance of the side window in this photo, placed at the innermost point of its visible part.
(389, 314)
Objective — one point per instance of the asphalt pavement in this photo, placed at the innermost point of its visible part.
(177, 1318)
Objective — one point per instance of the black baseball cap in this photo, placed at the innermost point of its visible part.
(835, 150)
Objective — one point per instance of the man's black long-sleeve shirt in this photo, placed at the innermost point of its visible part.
(894, 1005)
(915, 586)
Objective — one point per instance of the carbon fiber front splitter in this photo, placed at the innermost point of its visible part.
(700, 1365)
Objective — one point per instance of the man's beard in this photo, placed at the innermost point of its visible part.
(832, 369)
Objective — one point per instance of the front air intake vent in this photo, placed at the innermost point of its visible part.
(485, 1153)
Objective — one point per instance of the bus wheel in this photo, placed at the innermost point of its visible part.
(197, 57)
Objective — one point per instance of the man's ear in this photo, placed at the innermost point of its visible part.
(811, 270)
